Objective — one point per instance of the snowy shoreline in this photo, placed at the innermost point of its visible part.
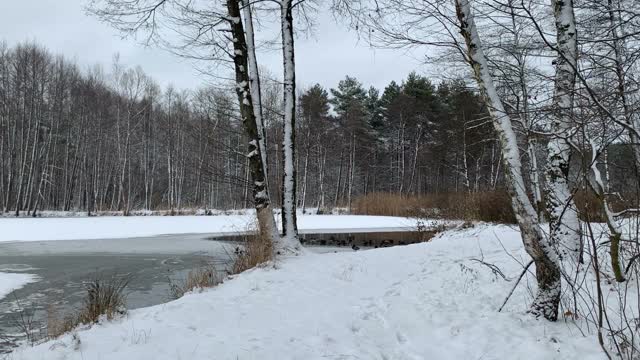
(117, 227)
(422, 301)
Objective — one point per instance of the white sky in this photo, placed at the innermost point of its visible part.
(326, 57)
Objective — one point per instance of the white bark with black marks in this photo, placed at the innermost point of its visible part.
(563, 216)
(547, 268)
(262, 202)
(289, 222)
(254, 81)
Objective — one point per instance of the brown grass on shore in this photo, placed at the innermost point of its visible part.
(483, 206)
(105, 296)
(200, 278)
(255, 251)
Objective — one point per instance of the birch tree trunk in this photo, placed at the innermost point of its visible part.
(289, 222)
(465, 172)
(352, 171)
(415, 160)
(321, 196)
(254, 83)
(615, 233)
(262, 202)
(535, 178)
(564, 226)
(305, 170)
(544, 256)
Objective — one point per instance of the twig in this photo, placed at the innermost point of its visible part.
(636, 257)
(524, 271)
(494, 269)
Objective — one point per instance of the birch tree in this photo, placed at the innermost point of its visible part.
(427, 16)
(538, 247)
(254, 84)
(601, 59)
(289, 188)
(563, 217)
(145, 14)
(241, 50)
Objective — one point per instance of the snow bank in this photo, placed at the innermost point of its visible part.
(11, 281)
(425, 301)
(36, 229)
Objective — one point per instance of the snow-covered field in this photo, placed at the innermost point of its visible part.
(426, 301)
(85, 228)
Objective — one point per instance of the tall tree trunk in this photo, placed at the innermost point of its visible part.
(615, 233)
(254, 83)
(305, 170)
(415, 160)
(465, 163)
(262, 202)
(534, 175)
(289, 221)
(352, 170)
(544, 256)
(321, 195)
(564, 225)
(337, 195)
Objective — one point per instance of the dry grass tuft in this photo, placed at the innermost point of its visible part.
(105, 297)
(57, 324)
(255, 251)
(200, 278)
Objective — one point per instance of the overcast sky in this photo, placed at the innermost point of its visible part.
(325, 57)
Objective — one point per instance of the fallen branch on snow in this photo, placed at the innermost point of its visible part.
(524, 271)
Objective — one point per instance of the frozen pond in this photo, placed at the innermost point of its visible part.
(151, 262)
(63, 266)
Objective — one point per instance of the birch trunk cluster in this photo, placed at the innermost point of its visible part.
(578, 106)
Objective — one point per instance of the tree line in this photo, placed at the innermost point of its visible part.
(113, 140)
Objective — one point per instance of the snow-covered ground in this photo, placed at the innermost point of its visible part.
(86, 228)
(432, 300)
(13, 281)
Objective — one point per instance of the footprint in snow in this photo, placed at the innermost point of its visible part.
(402, 339)
(392, 292)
